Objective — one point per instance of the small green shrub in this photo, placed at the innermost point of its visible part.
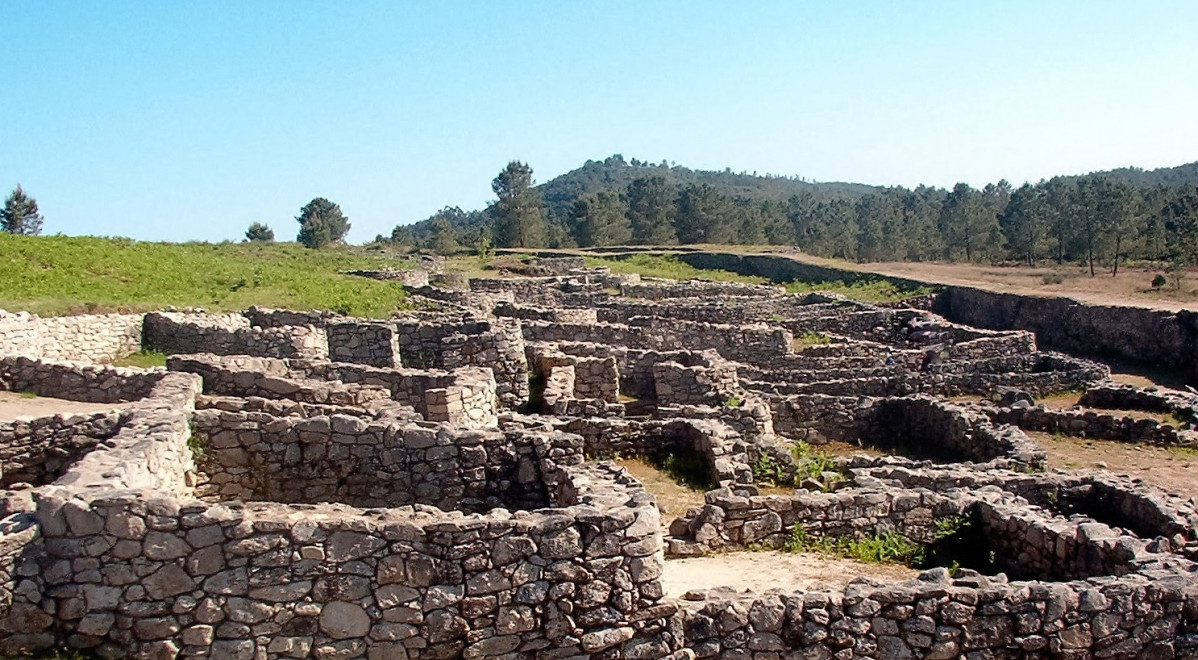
(733, 401)
(28, 394)
(811, 338)
(688, 469)
(888, 548)
(1159, 281)
(768, 470)
(197, 442)
(811, 464)
(1053, 278)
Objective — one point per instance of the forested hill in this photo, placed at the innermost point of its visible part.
(614, 174)
(1182, 176)
(1101, 218)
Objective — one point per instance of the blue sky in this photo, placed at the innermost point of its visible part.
(178, 121)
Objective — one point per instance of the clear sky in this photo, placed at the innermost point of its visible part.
(190, 120)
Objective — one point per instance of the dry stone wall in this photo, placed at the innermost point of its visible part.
(38, 451)
(69, 380)
(231, 334)
(89, 338)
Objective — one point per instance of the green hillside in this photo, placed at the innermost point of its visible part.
(68, 274)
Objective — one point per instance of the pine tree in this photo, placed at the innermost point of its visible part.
(651, 211)
(517, 217)
(321, 223)
(20, 214)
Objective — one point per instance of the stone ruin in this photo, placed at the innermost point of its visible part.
(433, 485)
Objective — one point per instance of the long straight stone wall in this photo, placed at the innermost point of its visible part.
(89, 338)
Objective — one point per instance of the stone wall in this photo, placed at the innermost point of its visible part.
(1094, 424)
(1145, 335)
(742, 343)
(231, 334)
(363, 343)
(1116, 396)
(272, 580)
(661, 289)
(346, 459)
(87, 338)
(465, 396)
(447, 343)
(917, 426)
(696, 377)
(76, 382)
(38, 451)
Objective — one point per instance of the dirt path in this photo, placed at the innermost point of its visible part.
(14, 405)
(761, 571)
(1175, 470)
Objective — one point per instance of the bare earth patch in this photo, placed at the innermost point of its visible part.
(761, 571)
(14, 405)
(1175, 470)
(673, 499)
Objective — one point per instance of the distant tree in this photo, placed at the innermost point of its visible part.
(1023, 223)
(259, 233)
(965, 223)
(1060, 210)
(443, 239)
(401, 236)
(20, 214)
(704, 215)
(1180, 218)
(748, 221)
(517, 217)
(651, 209)
(321, 223)
(1118, 208)
(599, 219)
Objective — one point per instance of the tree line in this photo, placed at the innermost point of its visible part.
(1099, 220)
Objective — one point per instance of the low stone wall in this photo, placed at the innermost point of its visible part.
(1115, 396)
(661, 289)
(741, 343)
(696, 378)
(917, 426)
(555, 315)
(722, 448)
(38, 451)
(407, 277)
(77, 382)
(265, 317)
(256, 456)
(452, 342)
(939, 617)
(231, 334)
(1093, 424)
(465, 396)
(86, 338)
(272, 580)
(363, 343)
(380, 409)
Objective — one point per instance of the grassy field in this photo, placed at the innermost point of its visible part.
(668, 266)
(55, 275)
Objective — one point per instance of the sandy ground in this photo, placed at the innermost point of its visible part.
(1175, 470)
(760, 571)
(13, 405)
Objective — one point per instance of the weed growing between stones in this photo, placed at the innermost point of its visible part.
(887, 548)
(28, 394)
(808, 464)
(957, 542)
(142, 359)
(809, 339)
(197, 442)
(733, 402)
